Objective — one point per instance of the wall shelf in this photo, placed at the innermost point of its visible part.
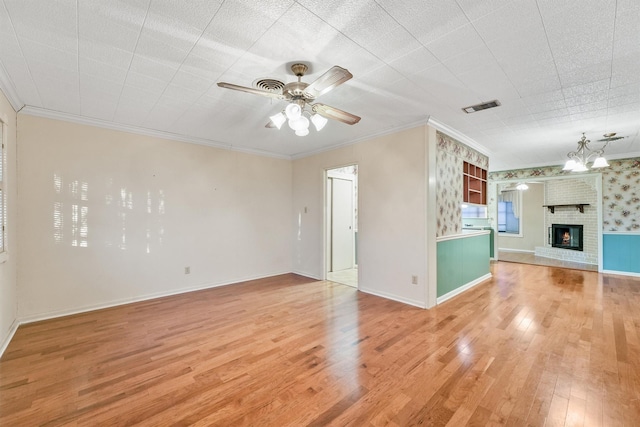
(474, 180)
(578, 206)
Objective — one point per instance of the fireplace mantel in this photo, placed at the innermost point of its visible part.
(578, 206)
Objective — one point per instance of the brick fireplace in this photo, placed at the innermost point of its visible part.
(581, 224)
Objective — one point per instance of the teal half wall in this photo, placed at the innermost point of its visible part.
(461, 262)
(621, 252)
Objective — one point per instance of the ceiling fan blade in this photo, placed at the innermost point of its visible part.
(333, 113)
(270, 125)
(335, 76)
(251, 90)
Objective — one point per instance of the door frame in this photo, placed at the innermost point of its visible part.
(328, 173)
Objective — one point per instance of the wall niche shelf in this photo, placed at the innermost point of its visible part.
(578, 206)
(474, 180)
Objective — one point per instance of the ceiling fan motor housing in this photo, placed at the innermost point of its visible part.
(295, 90)
(299, 70)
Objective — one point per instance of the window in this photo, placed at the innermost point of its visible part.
(474, 211)
(507, 221)
(509, 213)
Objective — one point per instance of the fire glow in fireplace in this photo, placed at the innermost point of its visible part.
(566, 236)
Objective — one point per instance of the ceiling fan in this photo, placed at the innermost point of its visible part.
(300, 97)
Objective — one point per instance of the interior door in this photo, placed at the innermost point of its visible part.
(342, 237)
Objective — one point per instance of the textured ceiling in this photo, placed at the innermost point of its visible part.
(559, 68)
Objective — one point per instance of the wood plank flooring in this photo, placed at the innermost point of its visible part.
(532, 346)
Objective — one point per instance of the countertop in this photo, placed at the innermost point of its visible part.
(466, 232)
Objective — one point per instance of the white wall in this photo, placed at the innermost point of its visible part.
(109, 217)
(392, 179)
(533, 229)
(8, 288)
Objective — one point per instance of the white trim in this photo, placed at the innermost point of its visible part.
(9, 90)
(599, 219)
(473, 233)
(555, 163)
(9, 337)
(526, 251)
(305, 274)
(621, 273)
(326, 219)
(364, 138)
(430, 219)
(432, 121)
(463, 288)
(393, 297)
(66, 117)
(624, 233)
(506, 234)
(124, 301)
(73, 118)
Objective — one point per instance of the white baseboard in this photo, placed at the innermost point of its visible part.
(463, 288)
(305, 274)
(621, 273)
(114, 303)
(10, 334)
(522, 251)
(415, 303)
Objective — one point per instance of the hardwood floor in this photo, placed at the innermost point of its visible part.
(532, 346)
(345, 277)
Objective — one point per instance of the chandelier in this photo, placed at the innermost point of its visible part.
(578, 159)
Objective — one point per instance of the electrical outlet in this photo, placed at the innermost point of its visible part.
(414, 280)
(187, 270)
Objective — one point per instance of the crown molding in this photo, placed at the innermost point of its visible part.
(428, 120)
(9, 90)
(73, 118)
(364, 138)
(459, 136)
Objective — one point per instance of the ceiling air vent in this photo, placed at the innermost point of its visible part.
(484, 106)
(270, 85)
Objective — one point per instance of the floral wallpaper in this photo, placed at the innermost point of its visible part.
(621, 196)
(463, 152)
(450, 154)
(620, 191)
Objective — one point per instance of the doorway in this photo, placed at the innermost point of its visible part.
(342, 225)
(531, 244)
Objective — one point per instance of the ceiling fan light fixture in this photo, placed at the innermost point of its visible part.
(293, 111)
(300, 110)
(299, 124)
(318, 121)
(278, 119)
(569, 165)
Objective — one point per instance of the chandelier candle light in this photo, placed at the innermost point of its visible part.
(578, 159)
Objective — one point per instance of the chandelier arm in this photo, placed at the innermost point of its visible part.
(584, 154)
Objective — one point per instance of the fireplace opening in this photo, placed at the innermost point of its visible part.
(566, 236)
